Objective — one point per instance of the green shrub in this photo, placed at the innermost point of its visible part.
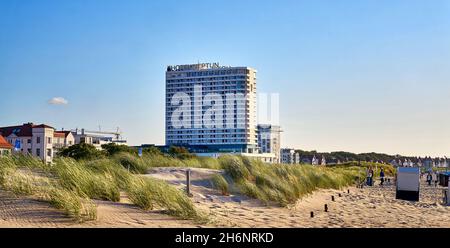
(180, 152)
(82, 151)
(132, 163)
(113, 148)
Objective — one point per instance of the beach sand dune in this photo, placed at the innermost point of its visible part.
(368, 207)
(28, 212)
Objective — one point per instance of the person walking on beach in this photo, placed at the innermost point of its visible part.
(382, 176)
(429, 178)
(370, 177)
(435, 179)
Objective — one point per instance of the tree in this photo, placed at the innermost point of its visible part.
(113, 148)
(180, 152)
(81, 151)
(152, 151)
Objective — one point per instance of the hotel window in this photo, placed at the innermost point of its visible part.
(38, 152)
(38, 140)
(29, 141)
(49, 140)
(49, 152)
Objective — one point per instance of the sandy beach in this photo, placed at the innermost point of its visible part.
(368, 207)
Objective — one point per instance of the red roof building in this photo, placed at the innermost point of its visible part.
(5, 144)
(30, 139)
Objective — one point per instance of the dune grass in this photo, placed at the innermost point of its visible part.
(71, 185)
(149, 193)
(31, 178)
(283, 184)
(76, 177)
(79, 208)
(220, 183)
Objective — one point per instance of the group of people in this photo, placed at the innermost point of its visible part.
(431, 177)
(370, 176)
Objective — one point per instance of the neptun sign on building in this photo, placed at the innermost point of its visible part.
(199, 66)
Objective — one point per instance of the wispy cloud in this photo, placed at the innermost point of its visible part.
(58, 101)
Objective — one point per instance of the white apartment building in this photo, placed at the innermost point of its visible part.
(269, 140)
(207, 91)
(36, 140)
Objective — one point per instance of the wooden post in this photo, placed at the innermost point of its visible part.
(332, 198)
(312, 214)
(348, 191)
(188, 182)
(340, 195)
(326, 208)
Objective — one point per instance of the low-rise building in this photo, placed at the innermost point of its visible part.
(63, 139)
(289, 156)
(315, 161)
(5, 147)
(97, 138)
(323, 161)
(36, 140)
(269, 140)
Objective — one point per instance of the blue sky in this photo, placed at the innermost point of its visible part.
(358, 76)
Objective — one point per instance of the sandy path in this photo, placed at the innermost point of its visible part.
(26, 212)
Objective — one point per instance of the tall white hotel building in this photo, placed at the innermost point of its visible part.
(241, 135)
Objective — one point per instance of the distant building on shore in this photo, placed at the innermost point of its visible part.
(36, 140)
(269, 139)
(289, 156)
(315, 161)
(63, 139)
(97, 138)
(5, 147)
(45, 142)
